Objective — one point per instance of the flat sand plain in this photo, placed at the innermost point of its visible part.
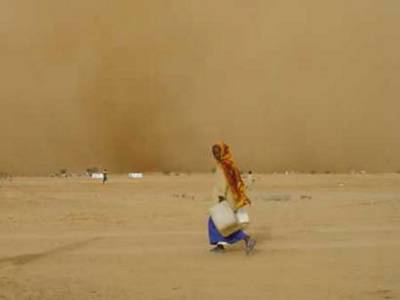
(319, 237)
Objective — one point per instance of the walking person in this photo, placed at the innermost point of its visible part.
(105, 178)
(229, 187)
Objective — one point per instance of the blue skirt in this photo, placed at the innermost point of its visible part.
(216, 237)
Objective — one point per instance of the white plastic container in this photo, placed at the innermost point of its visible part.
(224, 218)
(135, 175)
(242, 217)
(97, 175)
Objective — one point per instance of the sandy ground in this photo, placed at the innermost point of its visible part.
(319, 237)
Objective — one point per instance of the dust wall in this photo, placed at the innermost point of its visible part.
(150, 85)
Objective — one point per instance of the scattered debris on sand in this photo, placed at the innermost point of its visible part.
(275, 197)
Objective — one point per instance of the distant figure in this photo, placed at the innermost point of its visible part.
(105, 178)
(249, 180)
(229, 187)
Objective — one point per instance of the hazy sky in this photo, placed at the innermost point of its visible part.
(150, 85)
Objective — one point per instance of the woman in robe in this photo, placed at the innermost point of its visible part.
(229, 187)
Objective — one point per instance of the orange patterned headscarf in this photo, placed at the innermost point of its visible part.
(232, 175)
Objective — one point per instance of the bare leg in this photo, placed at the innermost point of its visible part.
(250, 244)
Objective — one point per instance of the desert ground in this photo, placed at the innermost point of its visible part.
(319, 237)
